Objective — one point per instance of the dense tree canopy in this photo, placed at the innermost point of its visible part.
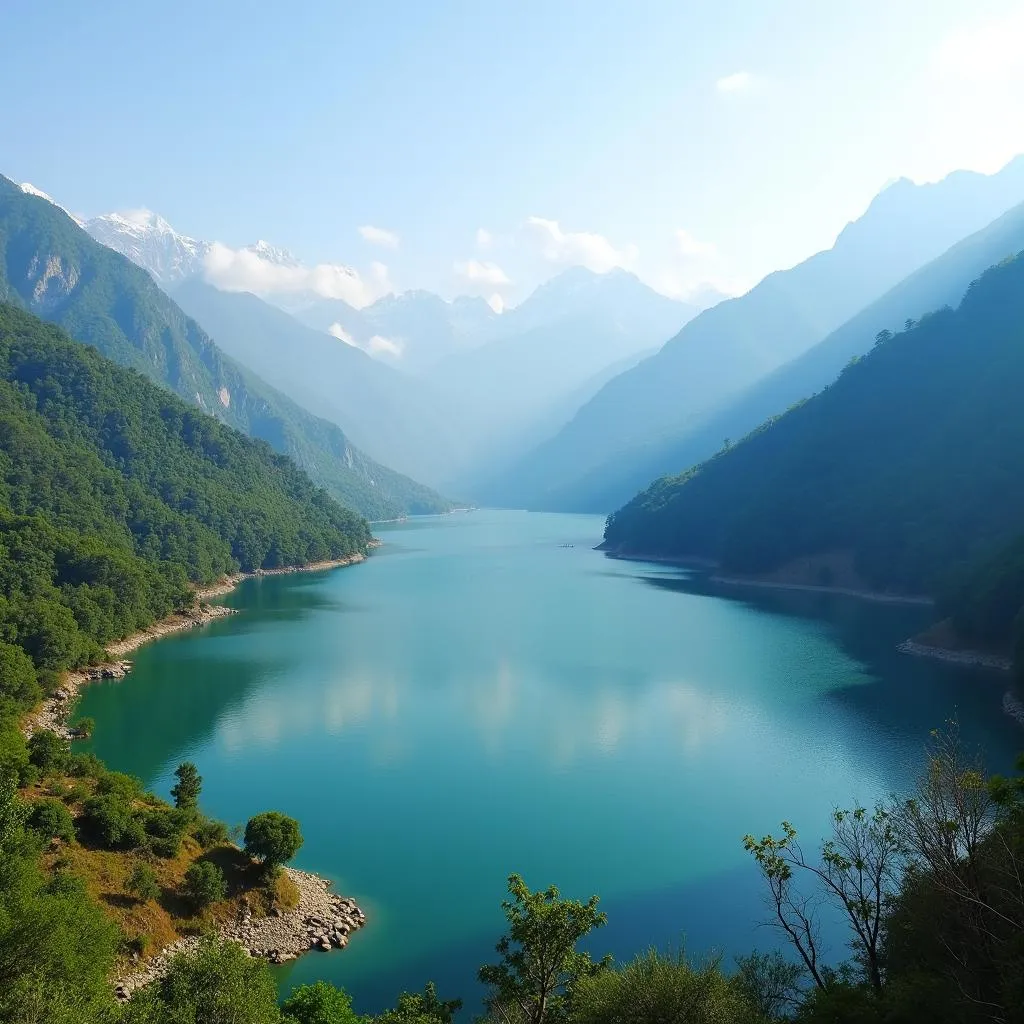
(908, 464)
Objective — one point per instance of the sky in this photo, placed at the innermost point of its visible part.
(481, 147)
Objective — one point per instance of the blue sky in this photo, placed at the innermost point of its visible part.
(494, 142)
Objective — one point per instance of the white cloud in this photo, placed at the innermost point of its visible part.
(578, 248)
(692, 247)
(740, 81)
(379, 236)
(379, 345)
(484, 238)
(482, 272)
(242, 270)
(341, 334)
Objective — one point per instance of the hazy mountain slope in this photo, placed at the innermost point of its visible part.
(734, 344)
(380, 408)
(905, 468)
(941, 282)
(56, 270)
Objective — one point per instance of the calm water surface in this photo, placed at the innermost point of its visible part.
(478, 699)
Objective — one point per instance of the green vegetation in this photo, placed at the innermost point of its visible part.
(142, 882)
(186, 790)
(114, 495)
(540, 964)
(204, 884)
(902, 474)
(272, 838)
(53, 268)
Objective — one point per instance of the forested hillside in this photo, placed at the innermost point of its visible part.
(115, 494)
(53, 268)
(941, 282)
(731, 346)
(907, 468)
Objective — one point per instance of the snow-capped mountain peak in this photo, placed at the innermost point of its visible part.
(30, 190)
(148, 239)
(273, 254)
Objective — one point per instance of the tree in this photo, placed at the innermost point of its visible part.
(52, 820)
(421, 1008)
(539, 963)
(272, 838)
(320, 1003)
(48, 751)
(17, 675)
(84, 728)
(770, 982)
(186, 790)
(204, 883)
(142, 882)
(218, 983)
(858, 871)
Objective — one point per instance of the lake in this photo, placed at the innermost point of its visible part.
(487, 694)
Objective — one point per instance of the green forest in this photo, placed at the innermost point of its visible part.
(53, 268)
(908, 463)
(115, 496)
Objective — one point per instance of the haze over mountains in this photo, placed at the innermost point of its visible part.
(594, 384)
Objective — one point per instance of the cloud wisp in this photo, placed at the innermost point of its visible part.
(243, 270)
(738, 82)
(578, 248)
(379, 236)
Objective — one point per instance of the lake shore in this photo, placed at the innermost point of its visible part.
(708, 565)
(965, 656)
(55, 711)
(322, 920)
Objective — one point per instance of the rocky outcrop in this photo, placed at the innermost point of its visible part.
(322, 920)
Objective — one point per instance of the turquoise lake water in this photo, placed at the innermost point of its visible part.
(478, 698)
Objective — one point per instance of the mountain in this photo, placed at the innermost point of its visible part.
(939, 283)
(53, 268)
(728, 348)
(150, 242)
(115, 493)
(898, 475)
(414, 329)
(544, 351)
(381, 408)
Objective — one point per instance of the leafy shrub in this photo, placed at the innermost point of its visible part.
(86, 766)
(112, 823)
(209, 833)
(204, 883)
(165, 828)
(48, 752)
(52, 820)
(124, 787)
(142, 882)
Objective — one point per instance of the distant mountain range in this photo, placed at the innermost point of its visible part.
(648, 413)
(54, 269)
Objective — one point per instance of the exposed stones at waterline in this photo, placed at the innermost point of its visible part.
(979, 659)
(322, 921)
(54, 712)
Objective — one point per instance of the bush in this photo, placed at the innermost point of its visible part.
(112, 823)
(48, 752)
(142, 883)
(86, 766)
(204, 883)
(272, 838)
(321, 1003)
(165, 829)
(84, 728)
(125, 787)
(17, 676)
(217, 984)
(52, 820)
(210, 833)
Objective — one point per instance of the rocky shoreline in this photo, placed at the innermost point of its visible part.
(978, 659)
(54, 712)
(322, 920)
